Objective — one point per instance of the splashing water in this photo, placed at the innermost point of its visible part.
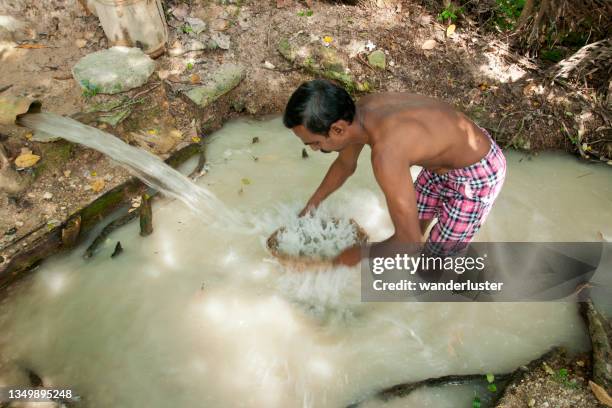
(316, 235)
(142, 164)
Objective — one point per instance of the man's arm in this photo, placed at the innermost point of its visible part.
(340, 170)
(392, 172)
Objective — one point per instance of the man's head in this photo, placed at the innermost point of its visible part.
(320, 113)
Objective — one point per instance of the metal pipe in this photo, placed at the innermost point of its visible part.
(11, 107)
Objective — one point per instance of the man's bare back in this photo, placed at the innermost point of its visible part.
(431, 132)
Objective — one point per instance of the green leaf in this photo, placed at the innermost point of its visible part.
(490, 378)
(492, 387)
(476, 402)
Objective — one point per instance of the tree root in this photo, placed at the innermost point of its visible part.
(599, 332)
(503, 381)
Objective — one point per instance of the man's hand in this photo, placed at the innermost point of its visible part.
(309, 207)
(349, 257)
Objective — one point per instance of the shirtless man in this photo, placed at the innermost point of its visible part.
(463, 168)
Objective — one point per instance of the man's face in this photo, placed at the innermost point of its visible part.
(321, 143)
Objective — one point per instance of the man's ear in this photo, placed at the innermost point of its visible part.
(338, 128)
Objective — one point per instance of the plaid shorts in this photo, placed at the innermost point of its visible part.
(460, 199)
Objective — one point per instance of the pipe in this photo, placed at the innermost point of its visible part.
(11, 107)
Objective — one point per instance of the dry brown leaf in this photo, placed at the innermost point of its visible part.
(97, 185)
(450, 30)
(429, 44)
(26, 160)
(195, 79)
(31, 46)
(601, 394)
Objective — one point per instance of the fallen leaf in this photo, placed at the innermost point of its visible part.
(601, 394)
(26, 160)
(195, 79)
(97, 185)
(176, 134)
(450, 30)
(428, 45)
(31, 46)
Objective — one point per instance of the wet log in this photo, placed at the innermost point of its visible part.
(503, 381)
(131, 215)
(401, 390)
(599, 329)
(110, 227)
(146, 216)
(23, 255)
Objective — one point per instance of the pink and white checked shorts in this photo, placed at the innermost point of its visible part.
(461, 200)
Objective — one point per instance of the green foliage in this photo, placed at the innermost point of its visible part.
(450, 13)
(90, 89)
(190, 66)
(305, 13)
(476, 402)
(507, 13)
(562, 376)
(187, 29)
(552, 55)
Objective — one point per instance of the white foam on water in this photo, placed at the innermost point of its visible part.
(199, 316)
(316, 235)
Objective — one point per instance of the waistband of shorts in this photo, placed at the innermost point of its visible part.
(488, 159)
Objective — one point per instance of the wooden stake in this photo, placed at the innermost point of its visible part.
(146, 216)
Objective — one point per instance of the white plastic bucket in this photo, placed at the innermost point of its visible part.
(133, 23)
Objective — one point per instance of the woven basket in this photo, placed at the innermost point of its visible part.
(301, 262)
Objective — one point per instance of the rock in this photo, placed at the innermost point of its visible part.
(429, 44)
(286, 49)
(224, 79)
(268, 65)
(355, 47)
(196, 24)
(81, 42)
(220, 24)
(180, 12)
(47, 196)
(117, 69)
(377, 59)
(221, 40)
(330, 60)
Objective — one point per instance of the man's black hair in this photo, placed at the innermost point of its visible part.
(317, 105)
